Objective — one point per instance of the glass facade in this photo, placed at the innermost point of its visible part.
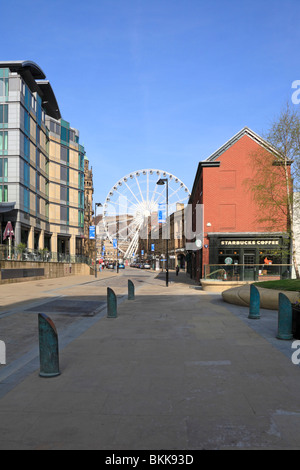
(41, 162)
(3, 193)
(3, 142)
(3, 115)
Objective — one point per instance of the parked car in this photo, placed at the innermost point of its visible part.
(147, 266)
(110, 266)
(121, 266)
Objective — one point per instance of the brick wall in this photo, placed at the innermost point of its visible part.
(229, 206)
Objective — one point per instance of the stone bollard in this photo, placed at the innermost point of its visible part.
(131, 295)
(48, 345)
(254, 303)
(111, 304)
(285, 318)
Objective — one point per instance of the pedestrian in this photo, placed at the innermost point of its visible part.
(177, 270)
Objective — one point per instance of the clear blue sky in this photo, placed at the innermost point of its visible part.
(158, 83)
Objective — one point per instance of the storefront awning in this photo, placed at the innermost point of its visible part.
(6, 207)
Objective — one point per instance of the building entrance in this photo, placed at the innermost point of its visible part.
(249, 268)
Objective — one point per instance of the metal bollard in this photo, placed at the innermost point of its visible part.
(48, 345)
(111, 304)
(131, 295)
(285, 318)
(254, 303)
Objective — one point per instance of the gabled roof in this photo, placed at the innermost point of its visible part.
(239, 135)
(212, 161)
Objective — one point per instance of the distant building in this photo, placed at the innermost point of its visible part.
(89, 245)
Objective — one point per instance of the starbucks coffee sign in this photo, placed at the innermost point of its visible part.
(235, 243)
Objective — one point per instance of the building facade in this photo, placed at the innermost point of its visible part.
(232, 233)
(89, 245)
(41, 164)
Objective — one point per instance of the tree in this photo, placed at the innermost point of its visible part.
(276, 176)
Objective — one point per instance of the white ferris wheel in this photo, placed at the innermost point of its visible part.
(135, 198)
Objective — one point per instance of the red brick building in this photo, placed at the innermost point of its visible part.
(230, 228)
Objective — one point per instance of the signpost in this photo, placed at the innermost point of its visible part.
(8, 232)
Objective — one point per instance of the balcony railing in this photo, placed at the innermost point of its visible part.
(247, 272)
(42, 256)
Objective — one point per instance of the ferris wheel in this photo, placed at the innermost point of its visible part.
(135, 198)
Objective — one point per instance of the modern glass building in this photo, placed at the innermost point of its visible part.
(41, 164)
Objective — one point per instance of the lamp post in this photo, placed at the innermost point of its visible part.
(97, 204)
(161, 182)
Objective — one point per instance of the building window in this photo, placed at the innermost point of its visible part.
(26, 174)
(64, 215)
(64, 154)
(64, 134)
(3, 85)
(26, 123)
(27, 98)
(81, 181)
(80, 219)
(3, 193)
(81, 162)
(3, 170)
(26, 200)
(3, 142)
(37, 206)
(64, 194)
(64, 174)
(47, 210)
(26, 148)
(3, 115)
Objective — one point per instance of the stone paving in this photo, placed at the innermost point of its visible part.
(178, 369)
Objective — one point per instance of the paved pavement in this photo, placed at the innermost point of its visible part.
(178, 369)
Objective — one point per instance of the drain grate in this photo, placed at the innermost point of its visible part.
(72, 307)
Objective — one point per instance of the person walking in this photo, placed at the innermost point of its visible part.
(177, 270)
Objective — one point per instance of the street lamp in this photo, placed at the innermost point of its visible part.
(161, 182)
(97, 204)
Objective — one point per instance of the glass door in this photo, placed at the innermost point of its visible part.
(249, 268)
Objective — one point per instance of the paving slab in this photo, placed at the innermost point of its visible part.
(177, 369)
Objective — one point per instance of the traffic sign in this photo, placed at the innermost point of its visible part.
(161, 213)
(8, 232)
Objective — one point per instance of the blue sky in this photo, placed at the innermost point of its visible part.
(158, 83)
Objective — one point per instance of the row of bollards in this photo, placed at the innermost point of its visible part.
(48, 337)
(285, 313)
